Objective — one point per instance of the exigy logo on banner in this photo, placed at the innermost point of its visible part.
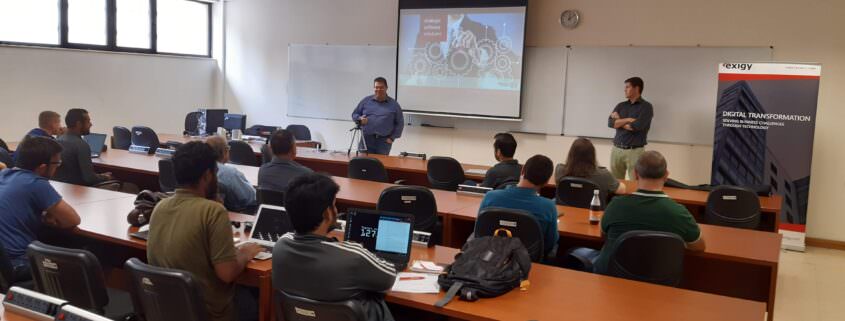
(743, 67)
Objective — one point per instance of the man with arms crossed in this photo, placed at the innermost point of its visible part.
(632, 120)
(381, 119)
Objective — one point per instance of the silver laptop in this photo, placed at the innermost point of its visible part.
(96, 142)
(270, 224)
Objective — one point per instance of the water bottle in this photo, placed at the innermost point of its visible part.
(595, 208)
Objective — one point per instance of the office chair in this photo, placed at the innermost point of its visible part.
(6, 158)
(418, 201)
(121, 138)
(733, 206)
(70, 274)
(648, 256)
(241, 153)
(301, 132)
(578, 192)
(165, 294)
(508, 183)
(3, 145)
(266, 154)
(192, 120)
(8, 276)
(260, 130)
(522, 225)
(166, 175)
(445, 173)
(270, 197)
(367, 168)
(146, 137)
(295, 308)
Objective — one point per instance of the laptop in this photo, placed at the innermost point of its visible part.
(96, 142)
(386, 234)
(271, 223)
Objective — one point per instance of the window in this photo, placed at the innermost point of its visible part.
(180, 27)
(133, 24)
(86, 20)
(30, 21)
(183, 27)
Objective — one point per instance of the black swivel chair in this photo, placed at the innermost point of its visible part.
(367, 168)
(522, 225)
(260, 130)
(166, 175)
(295, 308)
(192, 120)
(121, 138)
(733, 206)
(270, 197)
(266, 154)
(241, 153)
(145, 136)
(6, 158)
(165, 294)
(416, 200)
(301, 132)
(70, 274)
(578, 192)
(647, 256)
(445, 173)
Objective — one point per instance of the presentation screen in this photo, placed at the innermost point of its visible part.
(462, 61)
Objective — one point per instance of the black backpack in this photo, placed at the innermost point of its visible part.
(487, 267)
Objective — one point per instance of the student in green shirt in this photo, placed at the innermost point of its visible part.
(190, 231)
(647, 209)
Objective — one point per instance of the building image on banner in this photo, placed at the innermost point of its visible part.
(763, 138)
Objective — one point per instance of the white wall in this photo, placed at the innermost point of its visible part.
(259, 31)
(116, 88)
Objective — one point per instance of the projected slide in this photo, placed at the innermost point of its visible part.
(461, 60)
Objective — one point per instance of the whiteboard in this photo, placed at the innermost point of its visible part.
(680, 82)
(328, 81)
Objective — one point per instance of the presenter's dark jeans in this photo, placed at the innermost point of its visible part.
(376, 145)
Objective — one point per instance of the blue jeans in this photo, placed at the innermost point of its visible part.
(376, 144)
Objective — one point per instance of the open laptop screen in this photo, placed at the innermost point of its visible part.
(95, 142)
(380, 232)
(271, 223)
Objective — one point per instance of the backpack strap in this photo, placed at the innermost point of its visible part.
(449, 294)
(507, 232)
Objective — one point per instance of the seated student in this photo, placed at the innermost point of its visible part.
(49, 125)
(28, 201)
(647, 209)
(508, 168)
(76, 154)
(524, 196)
(238, 193)
(276, 174)
(189, 231)
(313, 265)
(581, 162)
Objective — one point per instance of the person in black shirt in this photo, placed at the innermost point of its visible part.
(276, 174)
(632, 120)
(312, 265)
(77, 167)
(508, 168)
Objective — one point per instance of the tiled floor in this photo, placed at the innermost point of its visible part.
(811, 286)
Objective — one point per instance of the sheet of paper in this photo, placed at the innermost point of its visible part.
(411, 282)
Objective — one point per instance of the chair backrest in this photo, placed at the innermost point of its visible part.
(510, 182)
(192, 120)
(416, 200)
(578, 192)
(241, 153)
(260, 130)
(522, 225)
(165, 294)
(3, 145)
(145, 136)
(296, 308)
(166, 175)
(121, 138)
(367, 168)
(733, 206)
(445, 173)
(6, 273)
(266, 154)
(648, 256)
(270, 197)
(301, 132)
(6, 158)
(70, 274)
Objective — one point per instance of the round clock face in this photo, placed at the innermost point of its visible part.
(569, 19)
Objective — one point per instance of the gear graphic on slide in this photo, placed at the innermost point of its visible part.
(485, 53)
(460, 62)
(433, 53)
(439, 71)
(420, 65)
(504, 44)
(503, 64)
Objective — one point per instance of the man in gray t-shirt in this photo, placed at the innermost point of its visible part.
(76, 154)
(276, 174)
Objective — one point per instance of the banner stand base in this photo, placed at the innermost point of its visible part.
(793, 241)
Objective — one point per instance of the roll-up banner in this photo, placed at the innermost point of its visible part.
(765, 122)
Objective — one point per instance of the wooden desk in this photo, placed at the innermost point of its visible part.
(549, 294)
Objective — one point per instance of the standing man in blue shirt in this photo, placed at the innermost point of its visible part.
(28, 201)
(381, 119)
